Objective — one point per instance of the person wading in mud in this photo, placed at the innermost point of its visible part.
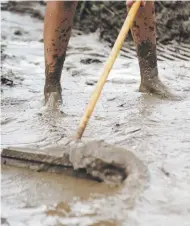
(57, 30)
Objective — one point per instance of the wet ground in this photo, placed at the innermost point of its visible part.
(155, 130)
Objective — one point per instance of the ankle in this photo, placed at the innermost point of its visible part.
(53, 95)
(149, 75)
(52, 87)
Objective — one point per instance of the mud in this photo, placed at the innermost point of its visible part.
(95, 160)
(107, 17)
(106, 162)
(6, 81)
(23, 7)
(155, 131)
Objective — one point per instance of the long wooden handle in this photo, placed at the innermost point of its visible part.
(108, 66)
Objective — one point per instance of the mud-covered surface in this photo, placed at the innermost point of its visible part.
(107, 17)
(95, 160)
(156, 131)
(108, 163)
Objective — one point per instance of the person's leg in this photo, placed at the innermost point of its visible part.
(57, 29)
(144, 36)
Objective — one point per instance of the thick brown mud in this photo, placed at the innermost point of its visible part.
(154, 131)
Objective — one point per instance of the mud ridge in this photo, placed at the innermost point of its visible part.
(108, 163)
(95, 160)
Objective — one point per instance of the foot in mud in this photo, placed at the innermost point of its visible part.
(156, 87)
(53, 99)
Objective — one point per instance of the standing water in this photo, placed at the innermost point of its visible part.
(155, 130)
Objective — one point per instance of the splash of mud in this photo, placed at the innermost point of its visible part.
(106, 162)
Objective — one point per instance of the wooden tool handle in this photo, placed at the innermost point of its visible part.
(108, 66)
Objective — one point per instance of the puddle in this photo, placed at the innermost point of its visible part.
(155, 130)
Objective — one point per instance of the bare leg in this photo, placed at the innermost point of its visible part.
(57, 31)
(144, 36)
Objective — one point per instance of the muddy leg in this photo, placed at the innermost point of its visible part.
(144, 36)
(57, 30)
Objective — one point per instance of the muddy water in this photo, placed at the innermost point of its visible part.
(155, 130)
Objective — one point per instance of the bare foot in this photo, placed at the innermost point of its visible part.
(53, 99)
(53, 96)
(156, 86)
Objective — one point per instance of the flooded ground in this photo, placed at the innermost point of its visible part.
(155, 130)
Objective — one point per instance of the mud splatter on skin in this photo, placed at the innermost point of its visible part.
(146, 52)
(135, 24)
(151, 28)
(150, 81)
(53, 76)
(59, 35)
(143, 32)
(53, 70)
(144, 35)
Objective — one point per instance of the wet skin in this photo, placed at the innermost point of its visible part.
(57, 30)
(144, 36)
